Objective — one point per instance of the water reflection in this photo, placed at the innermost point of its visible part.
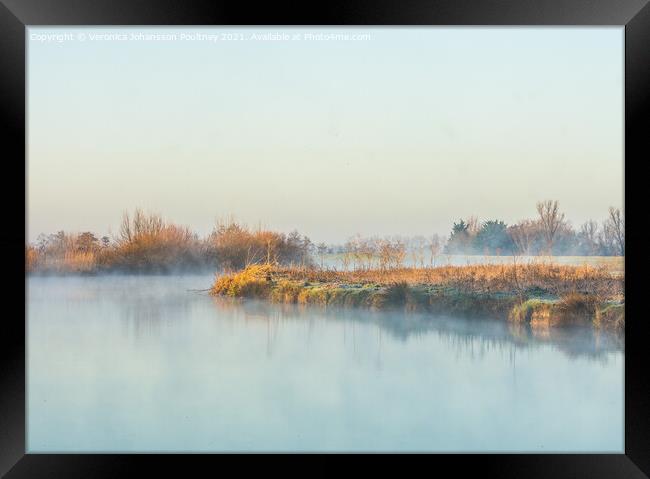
(475, 336)
(146, 364)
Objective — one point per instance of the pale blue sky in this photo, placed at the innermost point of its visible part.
(400, 133)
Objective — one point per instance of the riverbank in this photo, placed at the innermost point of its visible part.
(542, 295)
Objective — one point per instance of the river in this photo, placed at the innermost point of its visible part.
(145, 364)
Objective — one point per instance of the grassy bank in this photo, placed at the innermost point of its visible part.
(542, 295)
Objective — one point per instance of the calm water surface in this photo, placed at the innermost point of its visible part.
(131, 363)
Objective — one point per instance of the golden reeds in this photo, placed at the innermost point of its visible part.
(549, 277)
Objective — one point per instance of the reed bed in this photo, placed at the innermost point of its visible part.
(539, 295)
(551, 278)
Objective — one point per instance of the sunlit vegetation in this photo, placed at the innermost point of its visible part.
(375, 272)
(534, 294)
(147, 243)
(235, 246)
(65, 253)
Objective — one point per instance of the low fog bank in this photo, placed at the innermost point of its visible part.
(147, 244)
(147, 303)
(467, 333)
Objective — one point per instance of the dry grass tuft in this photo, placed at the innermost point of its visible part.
(252, 282)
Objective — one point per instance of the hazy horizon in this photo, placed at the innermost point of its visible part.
(403, 132)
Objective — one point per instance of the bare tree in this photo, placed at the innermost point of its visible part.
(352, 248)
(614, 229)
(473, 225)
(125, 228)
(351, 252)
(384, 252)
(522, 235)
(367, 252)
(589, 236)
(140, 226)
(398, 252)
(306, 249)
(550, 220)
(606, 239)
(417, 247)
(321, 249)
(345, 259)
(435, 245)
(391, 253)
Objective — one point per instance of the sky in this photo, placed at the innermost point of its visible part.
(386, 131)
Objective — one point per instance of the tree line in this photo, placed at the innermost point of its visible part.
(147, 243)
(547, 234)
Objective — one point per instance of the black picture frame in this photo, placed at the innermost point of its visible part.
(15, 15)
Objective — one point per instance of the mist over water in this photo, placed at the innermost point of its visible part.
(141, 363)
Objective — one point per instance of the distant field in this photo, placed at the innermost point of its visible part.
(614, 264)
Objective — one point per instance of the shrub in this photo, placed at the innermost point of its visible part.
(254, 281)
(235, 246)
